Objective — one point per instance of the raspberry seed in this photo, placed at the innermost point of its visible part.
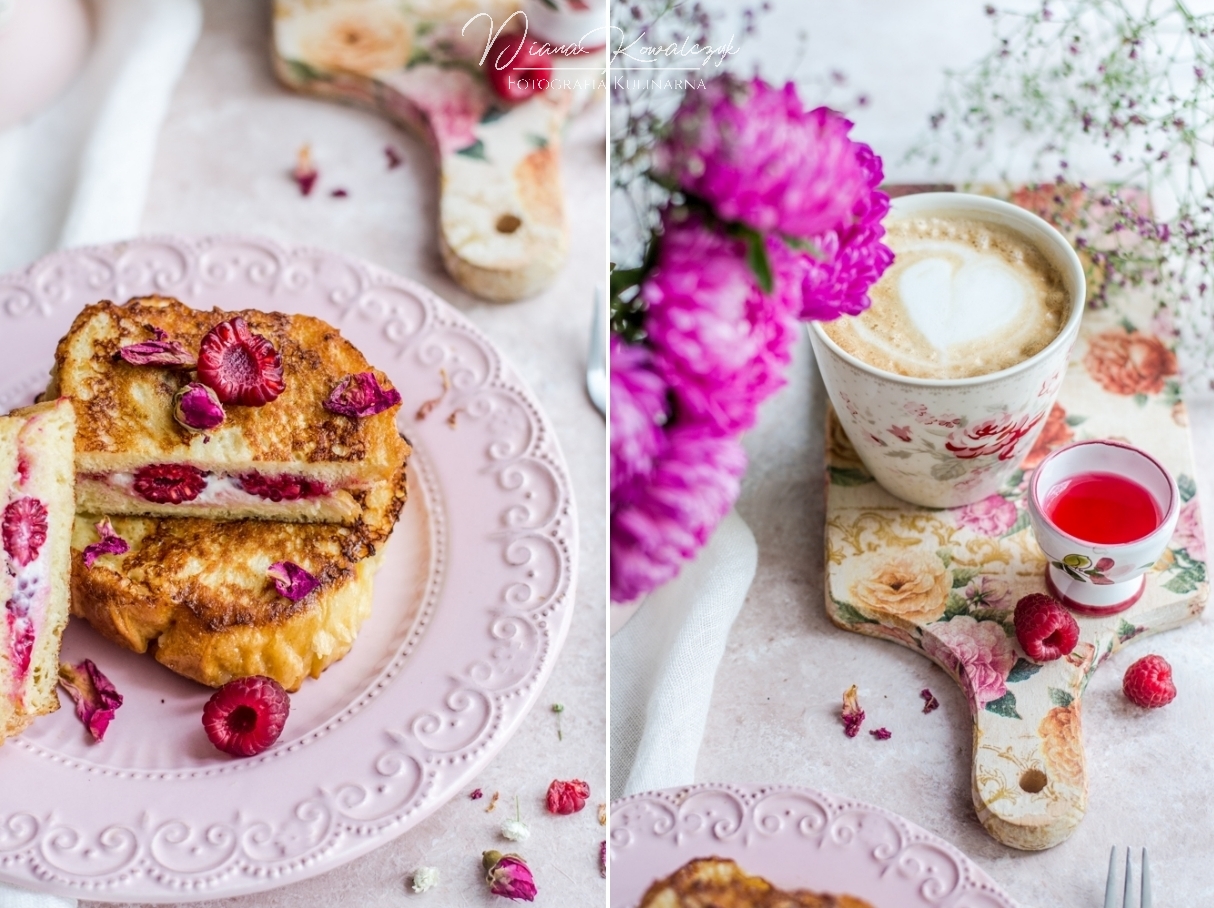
(1044, 628)
(246, 715)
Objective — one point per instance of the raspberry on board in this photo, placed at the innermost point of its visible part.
(1148, 682)
(1045, 629)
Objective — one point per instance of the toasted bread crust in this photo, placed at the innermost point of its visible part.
(195, 592)
(720, 883)
(125, 411)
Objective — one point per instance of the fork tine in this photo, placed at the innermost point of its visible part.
(1110, 886)
(1128, 896)
(1146, 881)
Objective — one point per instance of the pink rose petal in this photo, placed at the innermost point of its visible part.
(360, 395)
(109, 544)
(291, 580)
(95, 697)
(158, 353)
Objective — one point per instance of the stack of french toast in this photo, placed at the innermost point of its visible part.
(215, 488)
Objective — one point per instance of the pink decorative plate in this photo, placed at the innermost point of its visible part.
(795, 838)
(470, 610)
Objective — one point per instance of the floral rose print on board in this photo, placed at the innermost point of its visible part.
(911, 586)
(1054, 434)
(978, 651)
(1129, 362)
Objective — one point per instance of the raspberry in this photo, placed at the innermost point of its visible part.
(567, 797)
(242, 367)
(24, 529)
(284, 487)
(246, 715)
(1148, 682)
(1044, 628)
(170, 483)
(516, 66)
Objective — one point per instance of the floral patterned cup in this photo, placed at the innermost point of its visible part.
(1101, 579)
(941, 443)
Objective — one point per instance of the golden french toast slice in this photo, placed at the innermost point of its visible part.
(286, 447)
(36, 513)
(202, 597)
(721, 883)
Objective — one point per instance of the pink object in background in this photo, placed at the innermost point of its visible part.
(43, 44)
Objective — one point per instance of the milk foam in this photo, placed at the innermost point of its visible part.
(962, 298)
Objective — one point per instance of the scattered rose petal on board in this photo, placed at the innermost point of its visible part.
(493, 802)
(881, 734)
(929, 700)
(395, 159)
(110, 543)
(305, 172)
(476, 795)
(424, 878)
(853, 715)
(95, 697)
(339, 193)
(361, 395)
(509, 876)
(603, 859)
(291, 580)
(567, 797)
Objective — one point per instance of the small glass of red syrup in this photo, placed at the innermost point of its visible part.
(1103, 512)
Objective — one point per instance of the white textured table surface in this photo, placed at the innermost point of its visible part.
(774, 716)
(224, 155)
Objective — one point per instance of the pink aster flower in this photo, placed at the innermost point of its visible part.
(992, 516)
(718, 340)
(660, 520)
(638, 411)
(1189, 533)
(851, 256)
(978, 652)
(754, 154)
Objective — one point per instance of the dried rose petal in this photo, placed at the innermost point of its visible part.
(853, 715)
(158, 352)
(360, 395)
(929, 700)
(110, 543)
(881, 734)
(394, 157)
(567, 797)
(477, 794)
(509, 876)
(305, 172)
(96, 699)
(603, 859)
(291, 580)
(340, 193)
(197, 407)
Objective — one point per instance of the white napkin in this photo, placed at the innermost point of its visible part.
(77, 173)
(664, 661)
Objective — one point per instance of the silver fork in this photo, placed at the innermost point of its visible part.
(596, 360)
(1127, 899)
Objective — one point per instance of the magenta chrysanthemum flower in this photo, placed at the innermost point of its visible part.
(717, 339)
(660, 520)
(638, 411)
(754, 154)
(851, 257)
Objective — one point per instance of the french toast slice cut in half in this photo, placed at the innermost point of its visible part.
(292, 458)
(37, 507)
(197, 594)
(721, 883)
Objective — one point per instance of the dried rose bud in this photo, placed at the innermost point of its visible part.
(110, 543)
(96, 699)
(360, 396)
(197, 407)
(509, 876)
(929, 700)
(305, 172)
(567, 797)
(159, 352)
(853, 715)
(291, 580)
(881, 734)
(603, 859)
(477, 794)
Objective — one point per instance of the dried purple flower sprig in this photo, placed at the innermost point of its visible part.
(1128, 88)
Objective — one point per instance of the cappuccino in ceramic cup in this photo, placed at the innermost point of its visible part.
(964, 297)
(944, 384)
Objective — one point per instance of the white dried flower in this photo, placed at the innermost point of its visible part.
(515, 830)
(424, 878)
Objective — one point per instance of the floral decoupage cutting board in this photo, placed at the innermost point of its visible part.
(502, 229)
(945, 582)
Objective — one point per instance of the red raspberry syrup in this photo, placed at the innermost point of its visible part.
(1103, 508)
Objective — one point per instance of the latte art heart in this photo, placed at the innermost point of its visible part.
(962, 298)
